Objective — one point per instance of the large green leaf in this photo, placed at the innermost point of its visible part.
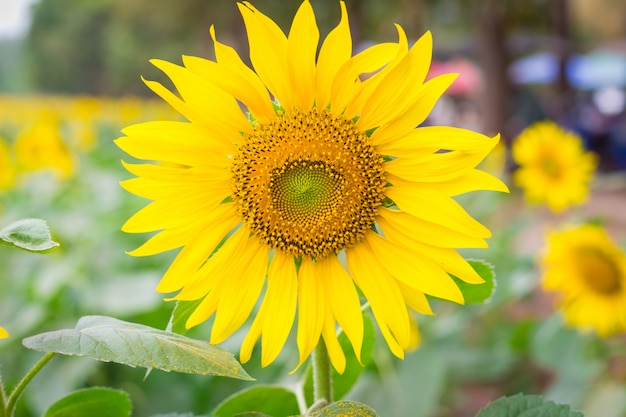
(478, 293)
(345, 409)
(526, 406)
(111, 340)
(28, 234)
(92, 402)
(342, 383)
(273, 400)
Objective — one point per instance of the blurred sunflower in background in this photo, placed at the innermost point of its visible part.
(324, 177)
(587, 271)
(7, 166)
(554, 167)
(3, 333)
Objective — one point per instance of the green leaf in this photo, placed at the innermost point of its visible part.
(478, 293)
(273, 400)
(92, 402)
(344, 382)
(526, 406)
(28, 234)
(111, 340)
(345, 409)
(180, 314)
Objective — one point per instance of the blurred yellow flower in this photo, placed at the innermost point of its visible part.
(7, 166)
(331, 185)
(42, 147)
(553, 166)
(588, 273)
(3, 333)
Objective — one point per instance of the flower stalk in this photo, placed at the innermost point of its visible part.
(322, 377)
(9, 409)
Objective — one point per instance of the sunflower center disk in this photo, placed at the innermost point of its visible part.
(308, 183)
(600, 272)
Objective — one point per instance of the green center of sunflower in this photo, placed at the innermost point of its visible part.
(308, 184)
(599, 272)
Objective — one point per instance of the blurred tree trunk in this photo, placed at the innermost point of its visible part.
(559, 15)
(495, 59)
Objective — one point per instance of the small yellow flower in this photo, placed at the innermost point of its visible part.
(7, 166)
(329, 183)
(588, 273)
(554, 167)
(42, 147)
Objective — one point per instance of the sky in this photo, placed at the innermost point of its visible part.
(14, 18)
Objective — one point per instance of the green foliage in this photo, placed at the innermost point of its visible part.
(526, 406)
(272, 400)
(342, 383)
(28, 234)
(92, 402)
(345, 409)
(181, 313)
(478, 293)
(111, 340)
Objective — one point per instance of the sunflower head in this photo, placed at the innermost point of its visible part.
(588, 273)
(300, 181)
(554, 167)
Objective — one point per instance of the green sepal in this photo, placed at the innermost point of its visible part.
(520, 405)
(92, 402)
(32, 235)
(110, 340)
(478, 293)
(271, 400)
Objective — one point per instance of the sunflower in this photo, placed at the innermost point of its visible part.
(554, 167)
(588, 272)
(313, 181)
(7, 166)
(3, 333)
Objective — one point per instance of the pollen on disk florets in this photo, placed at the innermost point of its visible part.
(308, 183)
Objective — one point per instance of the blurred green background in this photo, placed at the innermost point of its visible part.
(74, 74)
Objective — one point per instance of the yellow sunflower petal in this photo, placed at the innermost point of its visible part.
(3, 333)
(436, 167)
(301, 51)
(166, 240)
(344, 301)
(198, 284)
(416, 113)
(163, 214)
(280, 301)
(433, 206)
(472, 180)
(403, 227)
(205, 309)
(438, 137)
(199, 248)
(399, 87)
(173, 100)
(215, 106)
(414, 270)
(446, 258)
(335, 51)
(179, 142)
(311, 309)
(381, 290)
(356, 104)
(268, 53)
(245, 351)
(335, 352)
(415, 299)
(242, 291)
(346, 82)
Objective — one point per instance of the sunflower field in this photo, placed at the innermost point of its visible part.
(299, 222)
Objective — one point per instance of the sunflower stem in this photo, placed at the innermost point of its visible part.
(21, 386)
(322, 377)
